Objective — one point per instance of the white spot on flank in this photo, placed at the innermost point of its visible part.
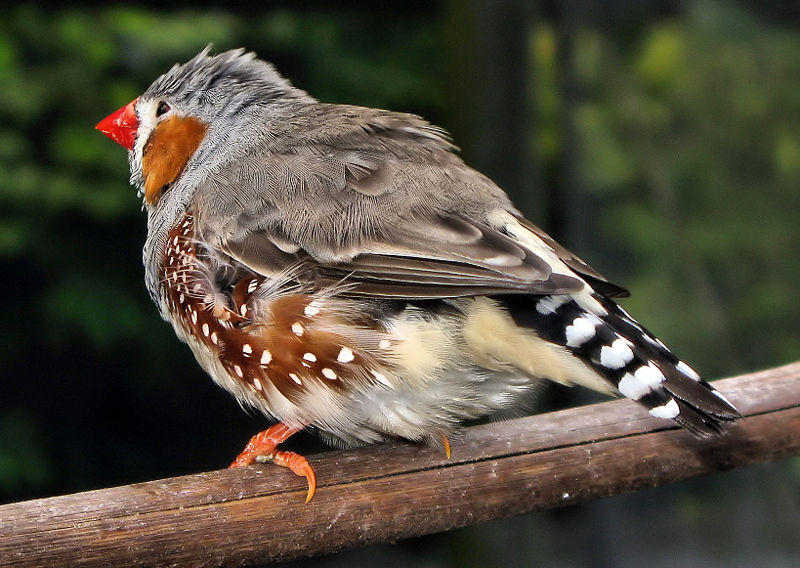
(312, 309)
(310, 357)
(649, 375)
(632, 387)
(384, 344)
(345, 355)
(247, 350)
(181, 298)
(266, 357)
(297, 328)
(329, 374)
(243, 310)
(175, 240)
(668, 411)
(549, 304)
(257, 384)
(581, 331)
(206, 330)
(687, 370)
(381, 378)
(214, 338)
(295, 378)
(617, 355)
(194, 316)
(238, 370)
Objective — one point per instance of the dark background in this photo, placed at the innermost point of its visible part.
(660, 140)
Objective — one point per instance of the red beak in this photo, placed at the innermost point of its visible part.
(121, 125)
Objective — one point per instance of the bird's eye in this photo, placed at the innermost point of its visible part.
(162, 108)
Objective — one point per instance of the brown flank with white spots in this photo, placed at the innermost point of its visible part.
(288, 347)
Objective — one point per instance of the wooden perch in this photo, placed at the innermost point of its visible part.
(393, 491)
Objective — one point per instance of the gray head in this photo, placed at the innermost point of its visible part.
(191, 122)
(222, 83)
(232, 98)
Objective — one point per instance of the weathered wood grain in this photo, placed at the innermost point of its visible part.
(384, 493)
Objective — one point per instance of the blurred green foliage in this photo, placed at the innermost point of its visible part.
(689, 144)
(687, 147)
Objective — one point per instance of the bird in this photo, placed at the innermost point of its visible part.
(341, 269)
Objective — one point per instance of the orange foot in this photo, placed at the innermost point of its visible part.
(263, 447)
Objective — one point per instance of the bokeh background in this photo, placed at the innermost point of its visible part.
(659, 139)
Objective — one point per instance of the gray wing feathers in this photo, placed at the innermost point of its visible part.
(375, 198)
(598, 281)
(416, 265)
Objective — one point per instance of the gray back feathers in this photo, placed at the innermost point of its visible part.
(283, 174)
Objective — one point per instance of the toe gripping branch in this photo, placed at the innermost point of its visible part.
(263, 448)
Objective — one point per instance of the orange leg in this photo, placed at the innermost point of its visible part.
(263, 447)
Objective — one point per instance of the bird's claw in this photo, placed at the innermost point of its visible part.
(262, 448)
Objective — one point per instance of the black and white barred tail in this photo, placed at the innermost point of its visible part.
(628, 356)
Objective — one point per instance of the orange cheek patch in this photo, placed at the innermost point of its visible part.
(171, 145)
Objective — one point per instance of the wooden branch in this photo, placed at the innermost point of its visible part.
(394, 491)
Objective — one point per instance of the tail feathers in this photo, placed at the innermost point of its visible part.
(702, 409)
(698, 423)
(629, 357)
(698, 407)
